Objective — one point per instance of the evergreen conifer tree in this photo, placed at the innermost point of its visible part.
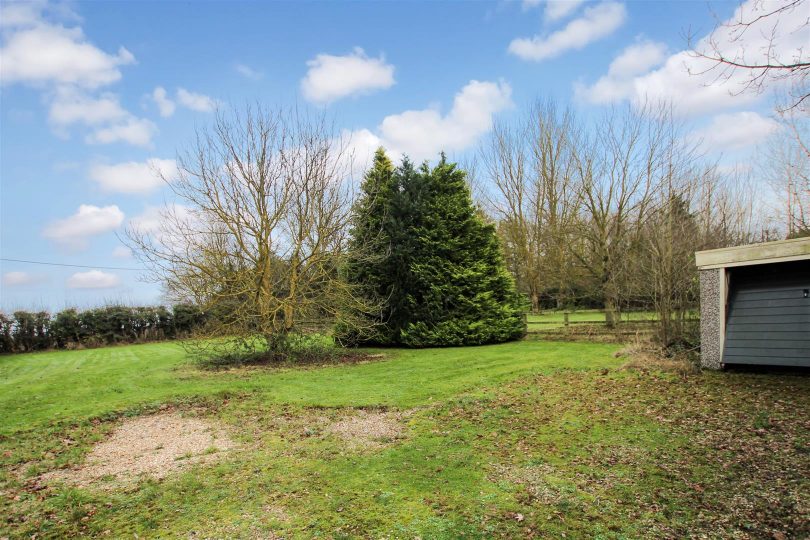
(459, 291)
(441, 275)
(367, 262)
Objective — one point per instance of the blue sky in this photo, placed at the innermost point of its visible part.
(95, 95)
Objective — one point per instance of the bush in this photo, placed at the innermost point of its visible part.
(311, 348)
(291, 349)
(26, 331)
(6, 339)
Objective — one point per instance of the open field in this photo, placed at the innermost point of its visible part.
(528, 439)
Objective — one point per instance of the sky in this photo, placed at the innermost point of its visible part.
(97, 96)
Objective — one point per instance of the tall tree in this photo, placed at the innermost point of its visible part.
(618, 171)
(460, 292)
(786, 165)
(666, 263)
(531, 165)
(368, 261)
(259, 228)
(441, 273)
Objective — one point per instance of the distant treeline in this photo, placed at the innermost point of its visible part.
(25, 331)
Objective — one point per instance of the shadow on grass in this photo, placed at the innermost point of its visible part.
(286, 360)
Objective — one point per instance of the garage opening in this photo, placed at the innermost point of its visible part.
(768, 315)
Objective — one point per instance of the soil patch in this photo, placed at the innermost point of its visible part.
(155, 446)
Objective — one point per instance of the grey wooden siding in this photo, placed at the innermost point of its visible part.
(768, 316)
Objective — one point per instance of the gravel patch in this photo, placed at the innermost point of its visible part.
(155, 446)
(369, 429)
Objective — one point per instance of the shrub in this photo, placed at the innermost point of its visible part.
(292, 349)
(26, 331)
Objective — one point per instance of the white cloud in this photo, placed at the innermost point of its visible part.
(560, 9)
(122, 252)
(735, 131)
(27, 13)
(195, 102)
(596, 22)
(248, 72)
(52, 54)
(690, 94)
(422, 134)
(69, 70)
(694, 86)
(637, 59)
(19, 279)
(190, 100)
(89, 220)
(134, 131)
(109, 120)
(782, 38)
(359, 147)
(619, 82)
(24, 13)
(165, 105)
(70, 106)
(153, 218)
(149, 221)
(330, 78)
(94, 279)
(134, 177)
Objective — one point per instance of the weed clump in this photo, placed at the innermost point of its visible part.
(645, 356)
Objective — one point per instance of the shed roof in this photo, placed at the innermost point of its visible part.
(796, 249)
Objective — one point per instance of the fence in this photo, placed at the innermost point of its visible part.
(591, 325)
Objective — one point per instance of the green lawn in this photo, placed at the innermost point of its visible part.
(528, 439)
(44, 387)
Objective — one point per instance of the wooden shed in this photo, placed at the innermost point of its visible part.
(755, 304)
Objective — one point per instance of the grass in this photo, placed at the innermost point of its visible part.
(520, 440)
(49, 387)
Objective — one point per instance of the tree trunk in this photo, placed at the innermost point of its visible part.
(611, 312)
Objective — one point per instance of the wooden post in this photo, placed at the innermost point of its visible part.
(565, 318)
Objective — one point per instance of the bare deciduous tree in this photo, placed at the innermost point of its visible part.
(618, 170)
(531, 167)
(786, 165)
(256, 234)
(664, 277)
(751, 51)
(615, 216)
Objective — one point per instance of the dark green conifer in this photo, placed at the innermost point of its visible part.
(459, 291)
(368, 256)
(441, 276)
